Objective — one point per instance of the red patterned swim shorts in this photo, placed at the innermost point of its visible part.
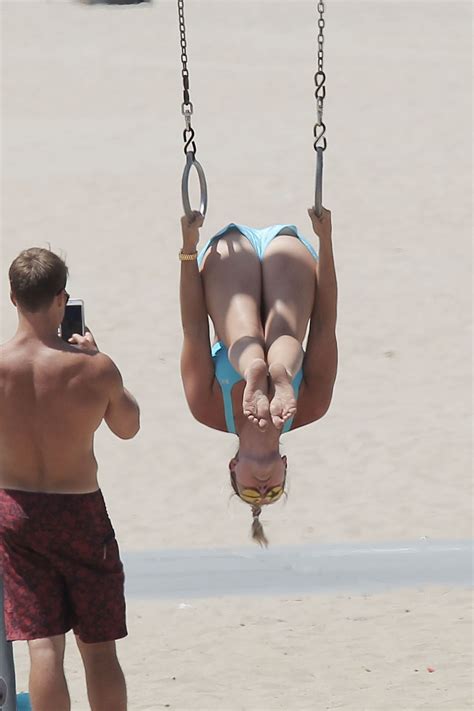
(61, 567)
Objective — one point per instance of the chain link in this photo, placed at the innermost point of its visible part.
(320, 83)
(187, 106)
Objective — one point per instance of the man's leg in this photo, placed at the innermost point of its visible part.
(106, 687)
(48, 688)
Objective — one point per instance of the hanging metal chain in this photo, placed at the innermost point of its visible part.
(188, 133)
(319, 131)
(186, 106)
(320, 83)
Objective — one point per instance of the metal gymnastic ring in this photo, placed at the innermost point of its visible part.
(318, 196)
(191, 162)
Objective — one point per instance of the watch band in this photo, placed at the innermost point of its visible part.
(190, 257)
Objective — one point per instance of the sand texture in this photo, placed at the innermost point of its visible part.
(91, 164)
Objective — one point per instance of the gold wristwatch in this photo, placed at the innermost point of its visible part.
(190, 257)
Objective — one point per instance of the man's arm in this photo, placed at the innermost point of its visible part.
(197, 368)
(122, 414)
(320, 362)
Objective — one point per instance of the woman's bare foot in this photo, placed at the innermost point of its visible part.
(283, 404)
(255, 403)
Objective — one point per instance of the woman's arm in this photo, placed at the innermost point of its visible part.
(197, 368)
(320, 361)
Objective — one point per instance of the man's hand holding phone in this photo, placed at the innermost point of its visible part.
(85, 342)
(74, 329)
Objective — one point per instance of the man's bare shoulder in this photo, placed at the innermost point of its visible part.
(6, 349)
(104, 365)
(60, 357)
(10, 355)
(96, 365)
(4, 358)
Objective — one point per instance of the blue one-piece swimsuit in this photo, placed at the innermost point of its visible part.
(225, 372)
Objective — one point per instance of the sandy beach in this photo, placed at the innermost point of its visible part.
(91, 156)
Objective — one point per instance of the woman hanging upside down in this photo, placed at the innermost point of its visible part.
(260, 288)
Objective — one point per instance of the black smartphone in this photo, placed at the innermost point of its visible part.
(73, 321)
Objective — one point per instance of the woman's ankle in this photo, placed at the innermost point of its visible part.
(257, 364)
(278, 371)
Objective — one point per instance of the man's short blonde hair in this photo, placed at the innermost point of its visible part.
(36, 277)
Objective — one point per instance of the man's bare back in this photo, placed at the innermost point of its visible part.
(53, 397)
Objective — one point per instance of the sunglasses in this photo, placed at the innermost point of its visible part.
(254, 496)
(65, 293)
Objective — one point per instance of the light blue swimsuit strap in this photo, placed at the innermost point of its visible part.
(258, 238)
(227, 377)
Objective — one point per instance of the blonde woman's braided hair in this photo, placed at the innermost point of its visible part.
(258, 534)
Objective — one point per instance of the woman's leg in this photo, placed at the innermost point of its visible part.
(289, 281)
(232, 279)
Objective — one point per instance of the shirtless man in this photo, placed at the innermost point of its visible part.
(60, 560)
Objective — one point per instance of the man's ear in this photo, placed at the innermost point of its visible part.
(12, 298)
(232, 463)
(284, 460)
